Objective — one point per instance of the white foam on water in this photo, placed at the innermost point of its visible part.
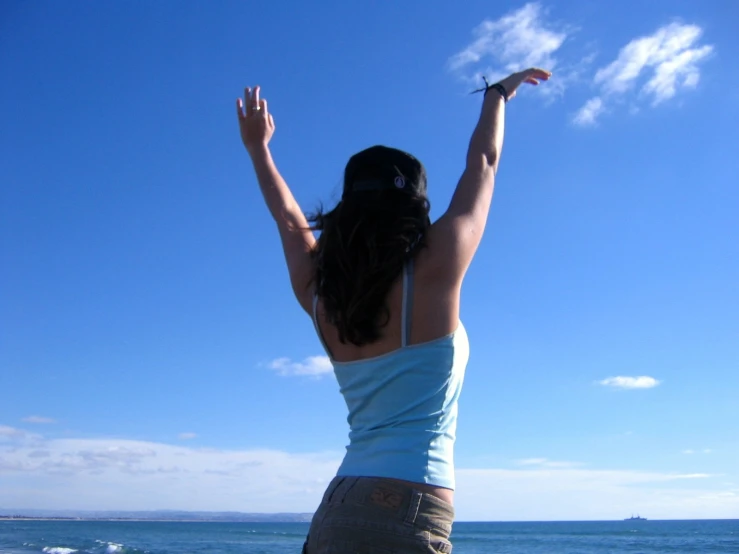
(58, 550)
(111, 547)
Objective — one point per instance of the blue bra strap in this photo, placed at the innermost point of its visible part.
(407, 309)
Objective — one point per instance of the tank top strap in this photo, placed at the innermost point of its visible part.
(407, 309)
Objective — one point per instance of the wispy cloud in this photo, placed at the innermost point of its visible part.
(532, 461)
(657, 66)
(186, 436)
(120, 474)
(520, 39)
(38, 419)
(588, 114)
(13, 437)
(546, 463)
(126, 474)
(621, 382)
(691, 451)
(313, 366)
(11, 432)
(546, 494)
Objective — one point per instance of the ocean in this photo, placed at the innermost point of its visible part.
(156, 537)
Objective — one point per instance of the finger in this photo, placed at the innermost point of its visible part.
(240, 108)
(249, 106)
(531, 80)
(263, 106)
(542, 74)
(271, 120)
(255, 97)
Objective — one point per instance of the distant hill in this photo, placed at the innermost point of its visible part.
(157, 515)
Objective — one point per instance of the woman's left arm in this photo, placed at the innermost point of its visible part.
(257, 127)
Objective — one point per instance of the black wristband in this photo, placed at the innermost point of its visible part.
(500, 89)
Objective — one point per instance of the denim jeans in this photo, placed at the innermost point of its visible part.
(368, 515)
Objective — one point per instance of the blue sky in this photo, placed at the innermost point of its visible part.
(151, 355)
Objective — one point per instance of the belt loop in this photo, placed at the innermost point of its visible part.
(335, 488)
(352, 481)
(410, 517)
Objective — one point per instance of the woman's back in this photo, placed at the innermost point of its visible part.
(434, 311)
(402, 403)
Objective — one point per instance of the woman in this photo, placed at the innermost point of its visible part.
(382, 285)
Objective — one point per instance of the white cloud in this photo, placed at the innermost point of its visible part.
(667, 59)
(186, 436)
(543, 494)
(680, 71)
(621, 382)
(11, 432)
(516, 41)
(314, 366)
(38, 419)
(116, 474)
(544, 462)
(589, 112)
(12, 437)
(691, 451)
(532, 461)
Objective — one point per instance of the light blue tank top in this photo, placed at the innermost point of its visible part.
(403, 404)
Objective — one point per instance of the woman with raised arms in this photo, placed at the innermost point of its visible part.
(382, 286)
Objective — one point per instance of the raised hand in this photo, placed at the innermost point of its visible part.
(532, 76)
(256, 123)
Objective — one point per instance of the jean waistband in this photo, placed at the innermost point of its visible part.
(401, 500)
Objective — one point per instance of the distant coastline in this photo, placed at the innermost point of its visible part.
(136, 520)
(161, 516)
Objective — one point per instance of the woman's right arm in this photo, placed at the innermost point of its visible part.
(455, 236)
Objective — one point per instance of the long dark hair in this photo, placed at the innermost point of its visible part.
(380, 223)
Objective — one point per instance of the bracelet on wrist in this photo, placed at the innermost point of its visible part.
(500, 89)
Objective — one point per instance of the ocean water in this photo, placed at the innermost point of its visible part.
(130, 537)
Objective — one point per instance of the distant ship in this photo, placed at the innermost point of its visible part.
(637, 518)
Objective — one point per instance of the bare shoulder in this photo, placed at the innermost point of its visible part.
(453, 238)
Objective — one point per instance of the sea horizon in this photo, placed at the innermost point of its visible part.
(231, 516)
(67, 536)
